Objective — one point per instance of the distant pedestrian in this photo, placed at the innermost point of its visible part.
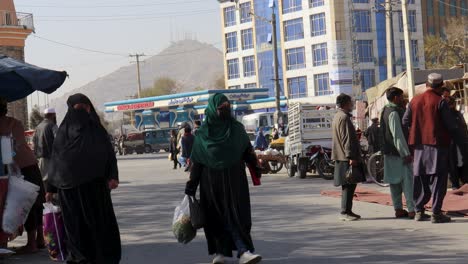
(197, 125)
(26, 161)
(43, 140)
(458, 153)
(173, 149)
(345, 152)
(261, 142)
(431, 125)
(187, 144)
(83, 171)
(374, 136)
(220, 152)
(275, 134)
(181, 133)
(397, 156)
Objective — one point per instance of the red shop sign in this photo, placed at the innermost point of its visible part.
(135, 106)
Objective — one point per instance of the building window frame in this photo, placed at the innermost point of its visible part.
(293, 29)
(316, 3)
(318, 25)
(320, 54)
(297, 87)
(362, 21)
(322, 84)
(231, 42)
(249, 66)
(229, 16)
(290, 6)
(245, 12)
(364, 50)
(250, 85)
(233, 69)
(247, 39)
(367, 78)
(411, 20)
(295, 58)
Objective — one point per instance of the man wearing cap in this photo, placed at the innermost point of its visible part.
(43, 140)
(431, 128)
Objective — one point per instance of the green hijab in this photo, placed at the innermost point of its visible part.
(219, 143)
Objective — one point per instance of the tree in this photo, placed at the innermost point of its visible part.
(220, 83)
(35, 118)
(161, 86)
(451, 50)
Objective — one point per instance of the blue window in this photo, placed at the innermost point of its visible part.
(290, 6)
(318, 25)
(316, 3)
(250, 85)
(411, 20)
(233, 69)
(247, 39)
(295, 58)
(464, 8)
(320, 54)
(364, 50)
(297, 87)
(362, 21)
(367, 79)
(231, 42)
(361, 1)
(234, 87)
(453, 7)
(249, 66)
(322, 84)
(414, 52)
(442, 8)
(245, 10)
(229, 16)
(430, 8)
(293, 29)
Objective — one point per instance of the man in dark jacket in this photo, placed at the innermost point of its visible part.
(345, 152)
(43, 140)
(373, 135)
(431, 129)
(187, 144)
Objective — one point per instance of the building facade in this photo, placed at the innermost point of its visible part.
(14, 29)
(327, 47)
(436, 14)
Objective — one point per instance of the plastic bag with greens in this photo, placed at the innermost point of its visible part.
(181, 224)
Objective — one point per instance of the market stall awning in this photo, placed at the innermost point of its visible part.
(19, 79)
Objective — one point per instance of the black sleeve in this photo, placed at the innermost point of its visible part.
(50, 188)
(194, 181)
(407, 117)
(112, 169)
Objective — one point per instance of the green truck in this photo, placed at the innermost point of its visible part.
(157, 140)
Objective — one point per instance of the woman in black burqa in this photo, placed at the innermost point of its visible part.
(83, 171)
(220, 152)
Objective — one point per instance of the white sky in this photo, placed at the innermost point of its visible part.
(114, 26)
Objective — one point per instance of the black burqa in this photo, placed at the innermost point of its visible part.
(82, 163)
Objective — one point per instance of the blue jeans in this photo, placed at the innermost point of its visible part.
(183, 161)
(236, 237)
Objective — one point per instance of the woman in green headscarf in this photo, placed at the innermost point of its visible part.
(220, 152)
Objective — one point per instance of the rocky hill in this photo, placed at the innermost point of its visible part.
(191, 63)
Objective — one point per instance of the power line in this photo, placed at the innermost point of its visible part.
(80, 48)
(128, 18)
(448, 4)
(112, 6)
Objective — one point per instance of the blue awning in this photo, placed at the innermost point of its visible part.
(19, 79)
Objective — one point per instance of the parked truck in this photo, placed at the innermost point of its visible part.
(309, 125)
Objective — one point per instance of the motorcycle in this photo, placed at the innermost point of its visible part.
(320, 161)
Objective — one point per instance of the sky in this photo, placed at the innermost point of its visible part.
(116, 27)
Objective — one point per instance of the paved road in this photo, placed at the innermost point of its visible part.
(293, 224)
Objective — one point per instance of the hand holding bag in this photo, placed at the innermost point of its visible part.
(197, 216)
(355, 174)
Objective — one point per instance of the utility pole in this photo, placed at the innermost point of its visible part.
(137, 57)
(389, 31)
(408, 50)
(278, 113)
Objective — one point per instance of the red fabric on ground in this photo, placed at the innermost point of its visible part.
(455, 202)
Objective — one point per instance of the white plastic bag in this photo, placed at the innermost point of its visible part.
(20, 198)
(181, 223)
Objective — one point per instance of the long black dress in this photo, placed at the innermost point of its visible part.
(225, 199)
(82, 163)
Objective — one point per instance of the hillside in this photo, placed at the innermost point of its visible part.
(191, 63)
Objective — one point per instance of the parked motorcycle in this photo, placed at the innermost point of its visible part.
(320, 162)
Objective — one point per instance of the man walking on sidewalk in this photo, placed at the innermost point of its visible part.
(397, 156)
(44, 139)
(431, 125)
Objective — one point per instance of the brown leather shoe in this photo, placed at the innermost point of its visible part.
(400, 213)
(411, 215)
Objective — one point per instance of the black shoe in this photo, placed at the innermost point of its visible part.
(421, 216)
(187, 169)
(354, 215)
(440, 219)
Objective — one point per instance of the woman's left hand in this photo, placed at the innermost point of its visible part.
(113, 184)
